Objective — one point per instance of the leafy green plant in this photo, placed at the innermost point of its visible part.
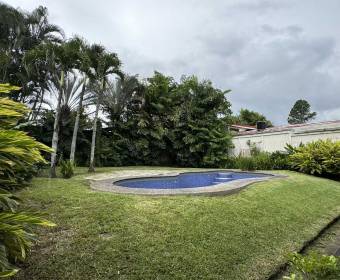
(263, 161)
(245, 163)
(314, 266)
(279, 160)
(18, 154)
(66, 168)
(321, 157)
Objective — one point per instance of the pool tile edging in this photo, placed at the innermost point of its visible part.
(107, 184)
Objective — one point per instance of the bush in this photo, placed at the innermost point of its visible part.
(245, 163)
(263, 161)
(321, 157)
(260, 161)
(66, 168)
(314, 266)
(279, 160)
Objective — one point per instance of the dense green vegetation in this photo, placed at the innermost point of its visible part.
(108, 236)
(18, 155)
(321, 157)
(156, 121)
(248, 117)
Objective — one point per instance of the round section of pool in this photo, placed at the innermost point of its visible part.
(188, 180)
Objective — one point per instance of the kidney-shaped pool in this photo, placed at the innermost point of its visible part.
(189, 180)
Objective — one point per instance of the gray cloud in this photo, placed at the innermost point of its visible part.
(270, 53)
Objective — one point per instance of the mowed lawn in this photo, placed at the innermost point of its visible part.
(109, 236)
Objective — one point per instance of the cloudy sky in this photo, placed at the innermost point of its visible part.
(269, 53)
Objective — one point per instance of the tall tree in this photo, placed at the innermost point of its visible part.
(200, 136)
(103, 64)
(19, 33)
(62, 58)
(300, 112)
(85, 69)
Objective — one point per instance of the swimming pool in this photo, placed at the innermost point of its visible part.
(189, 180)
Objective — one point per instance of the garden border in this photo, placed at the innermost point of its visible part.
(279, 273)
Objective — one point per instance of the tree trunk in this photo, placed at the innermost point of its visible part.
(31, 113)
(76, 124)
(55, 136)
(94, 129)
(34, 117)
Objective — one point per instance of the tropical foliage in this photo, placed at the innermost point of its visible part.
(18, 155)
(84, 106)
(321, 157)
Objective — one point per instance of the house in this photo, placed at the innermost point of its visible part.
(276, 138)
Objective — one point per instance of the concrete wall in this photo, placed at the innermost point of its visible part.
(276, 141)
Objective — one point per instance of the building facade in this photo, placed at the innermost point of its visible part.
(276, 138)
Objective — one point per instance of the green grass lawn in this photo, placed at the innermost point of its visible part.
(109, 236)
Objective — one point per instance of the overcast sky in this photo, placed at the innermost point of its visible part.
(269, 53)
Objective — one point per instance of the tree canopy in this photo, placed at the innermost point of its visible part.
(155, 121)
(248, 117)
(301, 112)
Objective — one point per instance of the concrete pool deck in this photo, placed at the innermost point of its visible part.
(106, 182)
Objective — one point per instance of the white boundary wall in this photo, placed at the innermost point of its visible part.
(276, 141)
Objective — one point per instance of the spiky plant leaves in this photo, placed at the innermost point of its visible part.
(18, 153)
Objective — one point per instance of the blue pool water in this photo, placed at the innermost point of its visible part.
(187, 180)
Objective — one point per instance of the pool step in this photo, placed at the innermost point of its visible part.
(223, 179)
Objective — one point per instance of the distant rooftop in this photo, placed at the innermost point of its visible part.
(243, 126)
(295, 127)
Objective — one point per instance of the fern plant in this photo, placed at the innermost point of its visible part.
(18, 153)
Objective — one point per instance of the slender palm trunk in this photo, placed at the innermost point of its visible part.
(94, 129)
(76, 124)
(31, 114)
(39, 107)
(55, 136)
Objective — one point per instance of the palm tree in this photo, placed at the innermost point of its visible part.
(40, 30)
(70, 94)
(118, 95)
(21, 32)
(85, 67)
(104, 64)
(62, 59)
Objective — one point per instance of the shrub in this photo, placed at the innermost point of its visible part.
(314, 266)
(245, 163)
(279, 160)
(321, 157)
(263, 161)
(66, 168)
(18, 154)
